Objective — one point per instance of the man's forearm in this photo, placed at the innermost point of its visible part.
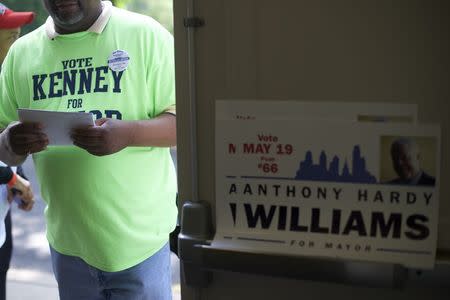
(110, 136)
(6, 154)
(158, 132)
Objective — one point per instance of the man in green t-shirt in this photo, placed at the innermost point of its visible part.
(111, 195)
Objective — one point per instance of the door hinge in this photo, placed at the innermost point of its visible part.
(194, 22)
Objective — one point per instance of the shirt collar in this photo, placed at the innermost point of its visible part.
(98, 26)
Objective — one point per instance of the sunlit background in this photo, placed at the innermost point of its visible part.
(30, 276)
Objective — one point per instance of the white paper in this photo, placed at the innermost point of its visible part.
(336, 128)
(4, 207)
(329, 110)
(57, 125)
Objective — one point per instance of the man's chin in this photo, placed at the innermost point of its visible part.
(65, 21)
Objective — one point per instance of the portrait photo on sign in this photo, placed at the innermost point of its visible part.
(408, 160)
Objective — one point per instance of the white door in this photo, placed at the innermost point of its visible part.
(315, 50)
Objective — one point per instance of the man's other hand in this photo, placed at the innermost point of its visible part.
(22, 189)
(107, 137)
(27, 138)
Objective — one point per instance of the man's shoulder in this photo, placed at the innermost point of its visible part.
(31, 38)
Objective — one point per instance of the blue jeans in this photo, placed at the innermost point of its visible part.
(149, 280)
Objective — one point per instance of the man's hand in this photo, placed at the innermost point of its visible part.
(22, 188)
(27, 138)
(111, 136)
(108, 137)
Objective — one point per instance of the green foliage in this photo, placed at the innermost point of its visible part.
(160, 10)
(120, 3)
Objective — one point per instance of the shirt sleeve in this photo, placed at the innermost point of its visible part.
(8, 111)
(6, 153)
(6, 175)
(8, 103)
(163, 74)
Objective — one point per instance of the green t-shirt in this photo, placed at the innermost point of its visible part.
(113, 211)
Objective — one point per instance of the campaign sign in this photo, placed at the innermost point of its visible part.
(341, 189)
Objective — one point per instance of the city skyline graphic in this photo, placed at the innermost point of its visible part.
(324, 172)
